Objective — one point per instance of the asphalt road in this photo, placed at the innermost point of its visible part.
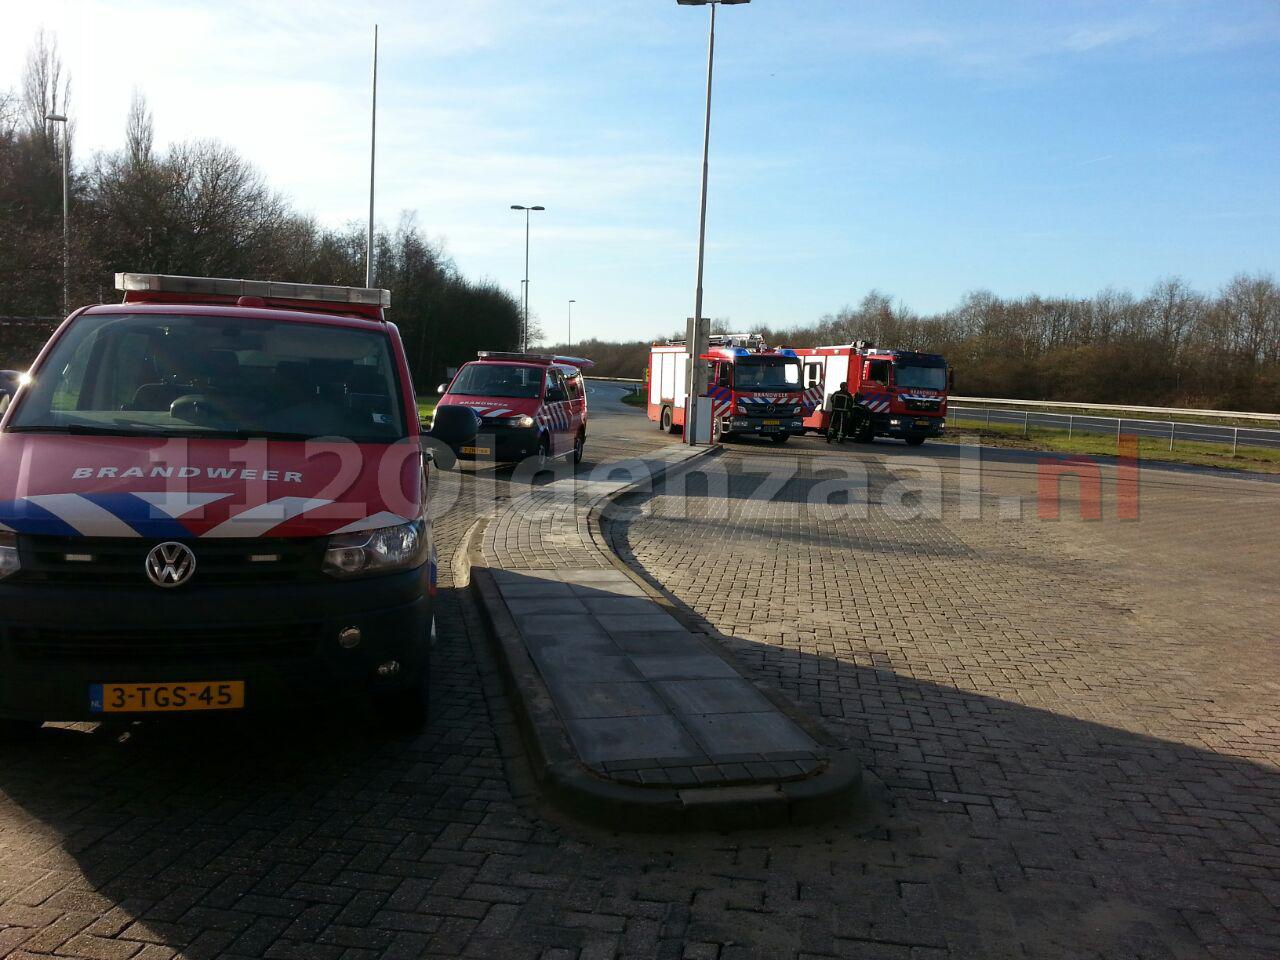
(1204, 432)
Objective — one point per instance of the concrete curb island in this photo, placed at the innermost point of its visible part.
(633, 717)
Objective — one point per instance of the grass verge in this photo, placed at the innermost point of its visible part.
(1256, 459)
(635, 398)
(426, 408)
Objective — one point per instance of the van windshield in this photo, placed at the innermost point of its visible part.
(158, 376)
(498, 380)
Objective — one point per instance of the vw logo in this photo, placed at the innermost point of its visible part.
(171, 565)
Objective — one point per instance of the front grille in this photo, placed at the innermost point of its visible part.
(767, 409)
(277, 642)
(122, 562)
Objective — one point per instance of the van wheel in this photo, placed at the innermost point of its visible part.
(544, 451)
(579, 445)
(405, 711)
(667, 421)
(16, 731)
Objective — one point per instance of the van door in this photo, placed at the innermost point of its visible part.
(559, 417)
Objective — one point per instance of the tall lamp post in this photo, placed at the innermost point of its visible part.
(527, 212)
(571, 303)
(66, 213)
(697, 335)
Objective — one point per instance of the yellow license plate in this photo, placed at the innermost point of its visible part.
(478, 451)
(922, 423)
(773, 423)
(166, 697)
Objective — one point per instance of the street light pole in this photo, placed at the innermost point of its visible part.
(571, 303)
(66, 212)
(527, 212)
(373, 146)
(697, 375)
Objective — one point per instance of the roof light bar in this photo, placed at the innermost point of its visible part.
(271, 289)
(541, 359)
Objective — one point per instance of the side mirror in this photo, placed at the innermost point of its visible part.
(442, 389)
(555, 396)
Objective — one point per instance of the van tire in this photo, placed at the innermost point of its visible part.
(579, 446)
(18, 731)
(544, 452)
(405, 711)
(667, 420)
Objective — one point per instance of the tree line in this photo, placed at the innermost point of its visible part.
(1174, 346)
(198, 208)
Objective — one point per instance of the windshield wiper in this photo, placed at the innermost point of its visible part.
(77, 429)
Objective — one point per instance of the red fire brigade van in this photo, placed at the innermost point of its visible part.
(213, 498)
(905, 392)
(755, 391)
(509, 406)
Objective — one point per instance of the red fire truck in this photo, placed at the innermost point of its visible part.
(754, 390)
(904, 391)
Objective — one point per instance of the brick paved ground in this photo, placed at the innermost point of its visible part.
(1077, 761)
(1076, 723)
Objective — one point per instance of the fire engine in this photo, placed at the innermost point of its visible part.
(754, 390)
(904, 391)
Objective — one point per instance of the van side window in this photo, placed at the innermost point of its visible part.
(812, 374)
(573, 386)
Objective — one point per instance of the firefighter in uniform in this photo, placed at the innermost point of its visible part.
(841, 414)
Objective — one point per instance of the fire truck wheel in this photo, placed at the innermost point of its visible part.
(780, 437)
(864, 435)
(579, 444)
(667, 421)
(914, 441)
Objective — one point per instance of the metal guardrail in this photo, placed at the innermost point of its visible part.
(1171, 430)
(1167, 411)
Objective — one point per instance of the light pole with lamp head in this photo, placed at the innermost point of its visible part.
(66, 213)
(571, 303)
(697, 378)
(527, 212)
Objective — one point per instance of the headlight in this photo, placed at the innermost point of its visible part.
(9, 563)
(524, 420)
(372, 552)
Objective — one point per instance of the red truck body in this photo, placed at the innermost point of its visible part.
(754, 390)
(904, 391)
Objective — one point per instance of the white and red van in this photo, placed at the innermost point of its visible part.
(511, 406)
(213, 497)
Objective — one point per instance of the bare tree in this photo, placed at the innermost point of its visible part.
(139, 131)
(44, 90)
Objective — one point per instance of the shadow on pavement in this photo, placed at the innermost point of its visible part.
(1006, 831)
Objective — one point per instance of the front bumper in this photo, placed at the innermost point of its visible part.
(280, 639)
(508, 445)
(907, 425)
(764, 426)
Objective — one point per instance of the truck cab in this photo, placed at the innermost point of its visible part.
(903, 391)
(754, 390)
(213, 498)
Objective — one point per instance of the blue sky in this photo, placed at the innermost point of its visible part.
(922, 149)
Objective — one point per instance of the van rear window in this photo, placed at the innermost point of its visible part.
(155, 375)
